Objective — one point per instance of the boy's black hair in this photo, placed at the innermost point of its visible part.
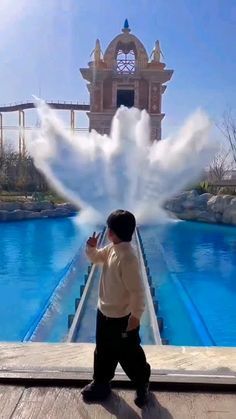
(122, 223)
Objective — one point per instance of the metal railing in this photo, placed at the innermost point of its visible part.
(150, 306)
(16, 106)
(73, 330)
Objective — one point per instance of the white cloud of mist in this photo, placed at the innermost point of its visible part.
(101, 173)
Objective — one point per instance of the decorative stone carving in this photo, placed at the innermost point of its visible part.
(156, 53)
(155, 98)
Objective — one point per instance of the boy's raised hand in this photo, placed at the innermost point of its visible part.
(93, 240)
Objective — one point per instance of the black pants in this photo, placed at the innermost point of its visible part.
(113, 345)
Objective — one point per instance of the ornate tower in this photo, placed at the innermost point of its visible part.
(125, 75)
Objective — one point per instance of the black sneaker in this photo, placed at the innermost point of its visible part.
(96, 391)
(142, 393)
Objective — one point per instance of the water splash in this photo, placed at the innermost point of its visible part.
(99, 173)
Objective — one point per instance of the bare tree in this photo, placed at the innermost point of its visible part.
(228, 129)
(219, 167)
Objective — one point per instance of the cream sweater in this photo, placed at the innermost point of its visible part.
(121, 289)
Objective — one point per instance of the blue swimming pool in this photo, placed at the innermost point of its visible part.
(193, 267)
(34, 258)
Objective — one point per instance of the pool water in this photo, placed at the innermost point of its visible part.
(193, 267)
(34, 256)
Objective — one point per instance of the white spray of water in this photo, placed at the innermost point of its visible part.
(100, 174)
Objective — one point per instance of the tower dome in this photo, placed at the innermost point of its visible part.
(128, 45)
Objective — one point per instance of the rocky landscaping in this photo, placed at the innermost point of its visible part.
(206, 207)
(17, 211)
(189, 205)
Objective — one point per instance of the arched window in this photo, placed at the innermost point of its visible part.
(125, 62)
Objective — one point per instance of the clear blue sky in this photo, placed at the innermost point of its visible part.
(44, 42)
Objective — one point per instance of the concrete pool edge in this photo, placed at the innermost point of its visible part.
(73, 362)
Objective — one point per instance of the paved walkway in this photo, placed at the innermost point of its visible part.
(63, 368)
(19, 402)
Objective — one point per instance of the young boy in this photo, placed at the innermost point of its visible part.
(120, 305)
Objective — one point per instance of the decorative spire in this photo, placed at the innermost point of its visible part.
(157, 53)
(126, 28)
(97, 52)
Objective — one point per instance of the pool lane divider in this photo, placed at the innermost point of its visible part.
(68, 273)
(155, 322)
(194, 314)
(74, 319)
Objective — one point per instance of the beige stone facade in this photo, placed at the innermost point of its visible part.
(125, 75)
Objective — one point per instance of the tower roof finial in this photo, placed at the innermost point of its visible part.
(126, 27)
